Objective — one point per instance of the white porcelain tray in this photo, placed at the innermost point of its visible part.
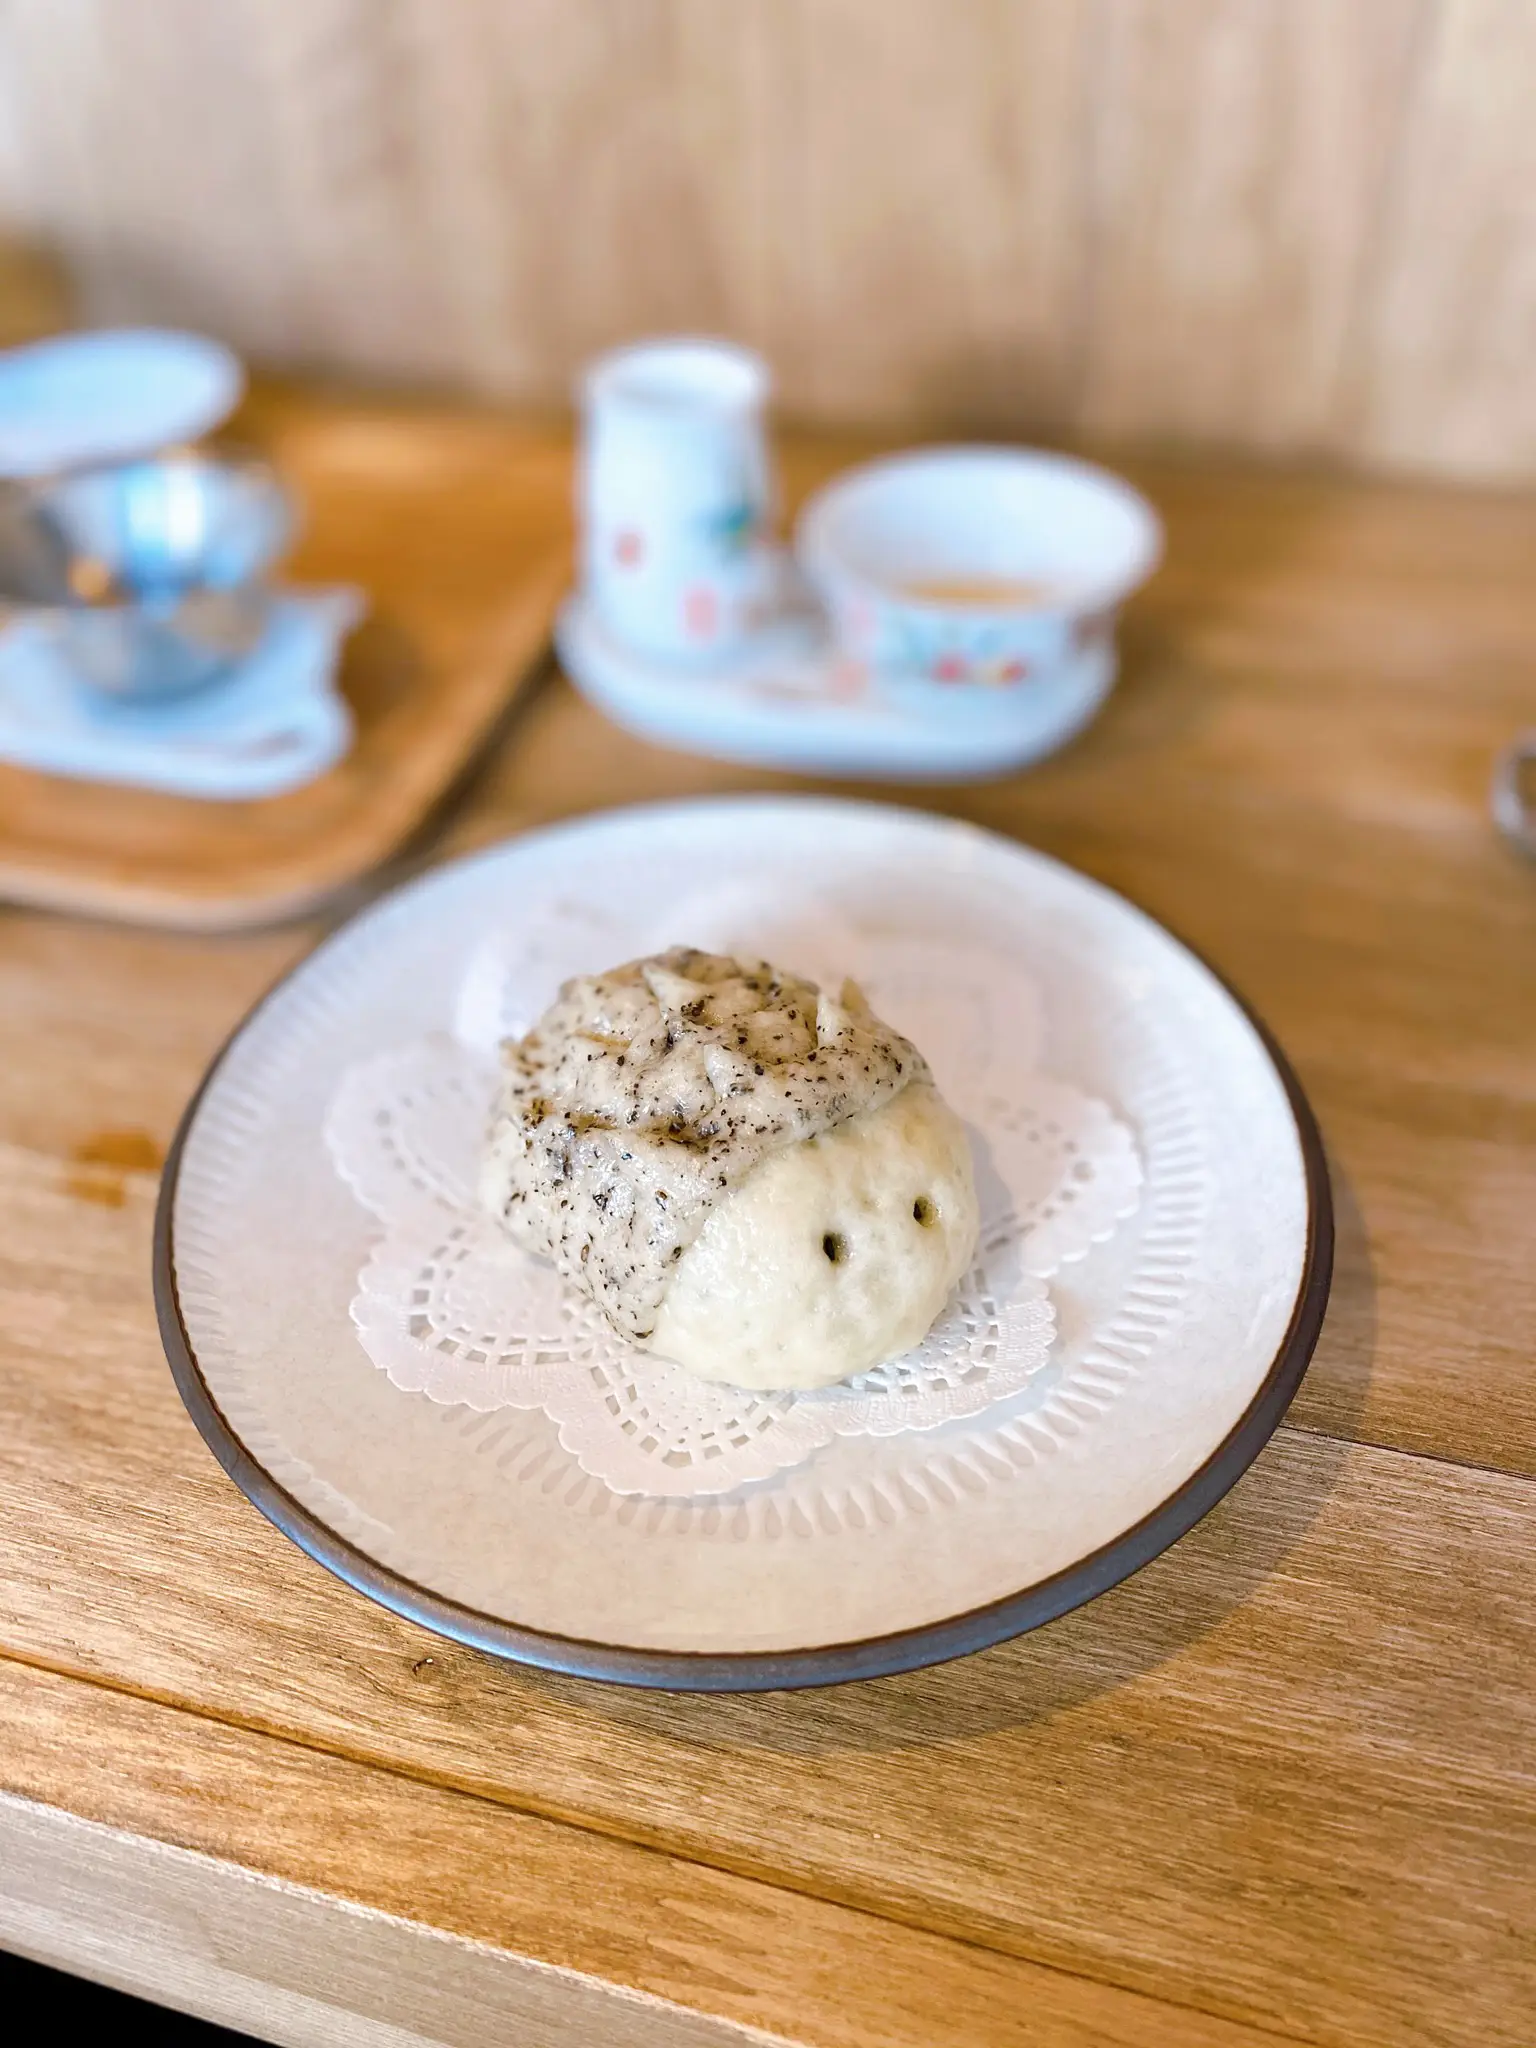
(1180, 1343)
(788, 702)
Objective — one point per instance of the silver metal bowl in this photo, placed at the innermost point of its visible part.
(154, 570)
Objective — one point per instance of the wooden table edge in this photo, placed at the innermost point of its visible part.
(124, 1886)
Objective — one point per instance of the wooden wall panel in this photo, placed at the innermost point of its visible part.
(941, 167)
(1240, 153)
(1290, 225)
(1446, 372)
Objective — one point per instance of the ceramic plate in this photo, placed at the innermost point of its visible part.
(1179, 1343)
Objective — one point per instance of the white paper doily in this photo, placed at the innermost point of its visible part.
(1164, 1332)
(447, 1307)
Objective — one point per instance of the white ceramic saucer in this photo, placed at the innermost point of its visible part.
(482, 1527)
(104, 395)
(274, 723)
(788, 702)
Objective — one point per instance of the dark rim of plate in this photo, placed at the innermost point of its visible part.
(768, 1671)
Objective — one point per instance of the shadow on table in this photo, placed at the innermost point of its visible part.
(1146, 1621)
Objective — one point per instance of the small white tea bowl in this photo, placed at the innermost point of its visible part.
(960, 576)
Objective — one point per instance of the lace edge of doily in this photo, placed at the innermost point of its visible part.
(379, 1316)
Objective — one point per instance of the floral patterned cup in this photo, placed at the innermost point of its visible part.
(975, 571)
(674, 496)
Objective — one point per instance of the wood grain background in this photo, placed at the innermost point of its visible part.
(1289, 225)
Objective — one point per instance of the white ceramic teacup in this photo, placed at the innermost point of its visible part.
(675, 498)
(968, 575)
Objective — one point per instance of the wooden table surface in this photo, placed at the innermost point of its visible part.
(1277, 1787)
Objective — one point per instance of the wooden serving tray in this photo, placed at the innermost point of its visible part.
(458, 530)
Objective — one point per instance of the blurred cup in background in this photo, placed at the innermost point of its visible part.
(675, 498)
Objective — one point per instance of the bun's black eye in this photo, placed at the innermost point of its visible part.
(923, 1211)
(835, 1245)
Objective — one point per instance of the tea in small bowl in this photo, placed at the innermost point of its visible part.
(974, 570)
(981, 593)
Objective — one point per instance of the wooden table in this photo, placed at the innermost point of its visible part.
(1276, 1787)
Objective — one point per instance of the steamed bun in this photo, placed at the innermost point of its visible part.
(747, 1174)
(835, 1253)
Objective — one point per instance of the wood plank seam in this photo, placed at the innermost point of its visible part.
(1292, 1427)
